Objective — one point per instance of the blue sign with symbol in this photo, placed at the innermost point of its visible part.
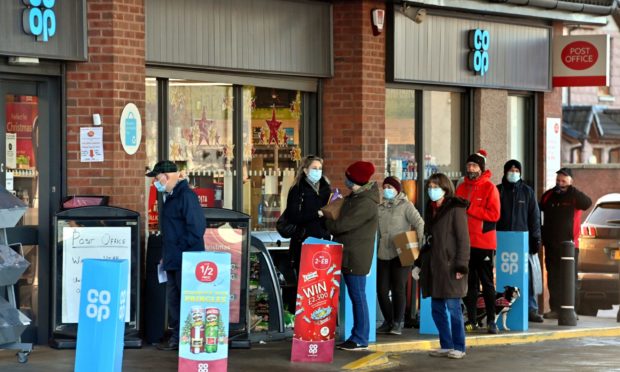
(39, 19)
(101, 326)
(479, 42)
(512, 270)
(131, 130)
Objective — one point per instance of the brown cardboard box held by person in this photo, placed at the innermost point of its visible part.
(332, 210)
(407, 247)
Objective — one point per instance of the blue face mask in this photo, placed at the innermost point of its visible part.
(159, 186)
(389, 194)
(314, 175)
(435, 193)
(348, 183)
(513, 177)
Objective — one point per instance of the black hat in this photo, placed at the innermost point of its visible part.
(164, 166)
(565, 171)
(479, 158)
(513, 163)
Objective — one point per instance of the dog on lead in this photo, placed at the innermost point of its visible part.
(503, 304)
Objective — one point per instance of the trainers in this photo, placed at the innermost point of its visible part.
(397, 329)
(492, 329)
(551, 315)
(385, 328)
(470, 327)
(168, 345)
(440, 352)
(456, 354)
(351, 346)
(534, 317)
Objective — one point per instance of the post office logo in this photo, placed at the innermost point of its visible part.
(39, 19)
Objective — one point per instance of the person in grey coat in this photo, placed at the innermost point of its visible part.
(396, 215)
(443, 264)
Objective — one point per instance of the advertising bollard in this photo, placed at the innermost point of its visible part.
(101, 325)
(512, 270)
(567, 316)
(205, 309)
(346, 312)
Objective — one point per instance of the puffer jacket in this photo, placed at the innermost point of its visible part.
(519, 210)
(446, 251)
(483, 211)
(356, 228)
(397, 216)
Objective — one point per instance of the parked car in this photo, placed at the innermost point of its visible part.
(599, 282)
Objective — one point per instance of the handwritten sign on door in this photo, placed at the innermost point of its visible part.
(79, 243)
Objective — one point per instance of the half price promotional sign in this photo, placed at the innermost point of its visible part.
(316, 309)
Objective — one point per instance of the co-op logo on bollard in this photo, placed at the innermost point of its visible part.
(510, 262)
(39, 19)
(479, 42)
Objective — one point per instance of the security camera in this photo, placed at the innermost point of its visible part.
(415, 14)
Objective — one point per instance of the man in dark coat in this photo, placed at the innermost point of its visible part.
(561, 207)
(519, 212)
(183, 226)
(356, 229)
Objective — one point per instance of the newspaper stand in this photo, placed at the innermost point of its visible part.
(12, 266)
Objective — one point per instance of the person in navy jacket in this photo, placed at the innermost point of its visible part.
(183, 226)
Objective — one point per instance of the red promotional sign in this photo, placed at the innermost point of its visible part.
(22, 117)
(579, 55)
(581, 60)
(206, 272)
(316, 310)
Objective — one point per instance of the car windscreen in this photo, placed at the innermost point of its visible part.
(605, 214)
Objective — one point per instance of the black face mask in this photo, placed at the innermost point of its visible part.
(473, 175)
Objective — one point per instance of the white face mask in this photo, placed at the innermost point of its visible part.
(389, 194)
(435, 193)
(513, 177)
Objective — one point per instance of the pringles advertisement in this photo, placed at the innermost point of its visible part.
(22, 117)
(316, 309)
(205, 295)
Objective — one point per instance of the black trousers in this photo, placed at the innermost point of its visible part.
(480, 272)
(392, 277)
(553, 265)
(173, 293)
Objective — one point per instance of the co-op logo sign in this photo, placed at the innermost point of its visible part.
(39, 19)
(479, 42)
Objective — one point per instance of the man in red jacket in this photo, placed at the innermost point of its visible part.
(482, 214)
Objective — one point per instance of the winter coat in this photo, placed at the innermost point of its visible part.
(307, 217)
(183, 225)
(562, 215)
(446, 251)
(396, 216)
(483, 211)
(356, 228)
(519, 210)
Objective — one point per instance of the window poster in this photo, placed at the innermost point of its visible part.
(22, 118)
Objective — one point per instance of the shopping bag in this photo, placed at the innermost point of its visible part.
(536, 274)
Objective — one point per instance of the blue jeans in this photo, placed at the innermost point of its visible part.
(452, 330)
(356, 287)
(532, 304)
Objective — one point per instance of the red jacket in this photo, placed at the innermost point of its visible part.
(483, 211)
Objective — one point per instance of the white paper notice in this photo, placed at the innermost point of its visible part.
(11, 150)
(91, 144)
(161, 274)
(79, 243)
(553, 150)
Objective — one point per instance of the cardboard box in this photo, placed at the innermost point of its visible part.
(407, 247)
(332, 210)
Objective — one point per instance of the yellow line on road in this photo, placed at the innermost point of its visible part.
(372, 360)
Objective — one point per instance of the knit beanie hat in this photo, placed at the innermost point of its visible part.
(394, 182)
(360, 172)
(512, 163)
(479, 158)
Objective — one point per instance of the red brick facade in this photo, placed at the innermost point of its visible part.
(354, 99)
(112, 77)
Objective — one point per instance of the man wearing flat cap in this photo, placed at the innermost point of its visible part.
(561, 209)
(182, 226)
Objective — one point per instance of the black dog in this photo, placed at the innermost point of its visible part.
(503, 304)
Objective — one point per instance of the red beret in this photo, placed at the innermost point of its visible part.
(360, 172)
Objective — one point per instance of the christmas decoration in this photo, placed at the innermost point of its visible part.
(274, 126)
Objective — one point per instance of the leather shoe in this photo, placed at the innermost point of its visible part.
(534, 317)
(168, 345)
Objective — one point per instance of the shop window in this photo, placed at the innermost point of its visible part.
(400, 138)
(272, 151)
(517, 124)
(442, 133)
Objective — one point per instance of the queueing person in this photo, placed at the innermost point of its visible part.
(519, 212)
(482, 215)
(356, 229)
(308, 194)
(183, 227)
(561, 207)
(443, 264)
(396, 215)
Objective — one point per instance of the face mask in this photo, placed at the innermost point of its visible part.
(348, 183)
(513, 177)
(389, 194)
(436, 193)
(314, 175)
(159, 186)
(473, 175)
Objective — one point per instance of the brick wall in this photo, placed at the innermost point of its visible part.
(354, 99)
(112, 77)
